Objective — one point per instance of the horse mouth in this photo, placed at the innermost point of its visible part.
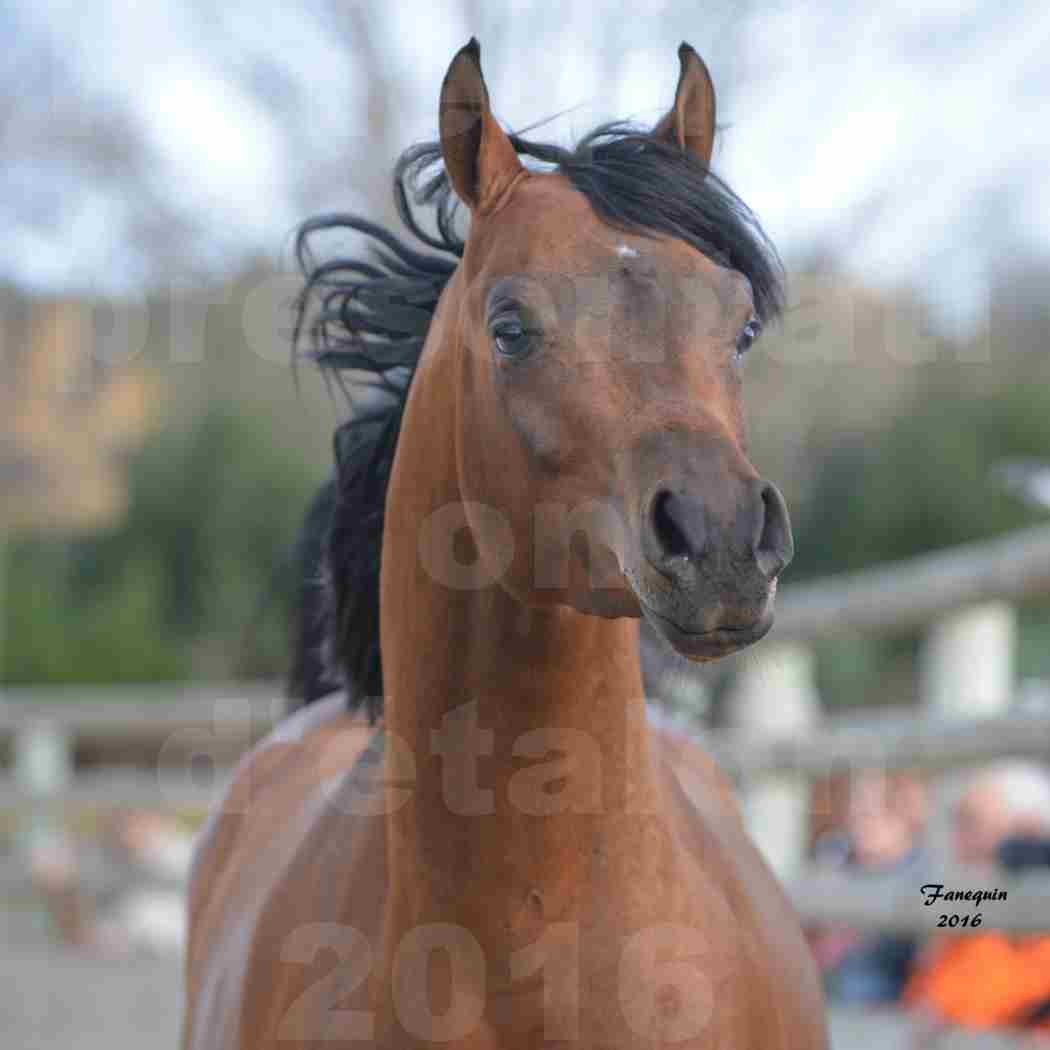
(709, 644)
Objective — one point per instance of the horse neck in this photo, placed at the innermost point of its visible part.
(470, 676)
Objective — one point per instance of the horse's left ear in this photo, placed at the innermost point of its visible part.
(690, 122)
(479, 158)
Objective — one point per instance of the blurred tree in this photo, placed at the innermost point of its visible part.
(924, 479)
(191, 581)
(65, 422)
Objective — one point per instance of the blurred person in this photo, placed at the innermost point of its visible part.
(884, 823)
(1005, 802)
(990, 979)
(145, 912)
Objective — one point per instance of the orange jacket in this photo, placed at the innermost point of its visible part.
(984, 981)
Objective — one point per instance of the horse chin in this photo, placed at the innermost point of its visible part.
(711, 642)
(597, 585)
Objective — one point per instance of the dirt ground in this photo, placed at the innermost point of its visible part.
(57, 1000)
(53, 1000)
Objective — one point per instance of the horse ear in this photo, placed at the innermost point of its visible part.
(479, 158)
(690, 122)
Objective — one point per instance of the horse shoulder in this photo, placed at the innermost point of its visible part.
(243, 899)
(701, 777)
(784, 988)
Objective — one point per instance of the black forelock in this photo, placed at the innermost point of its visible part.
(644, 185)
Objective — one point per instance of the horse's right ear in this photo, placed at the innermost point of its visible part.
(480, 160)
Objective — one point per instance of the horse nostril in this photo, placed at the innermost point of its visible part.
(775, 546)
(677, 528)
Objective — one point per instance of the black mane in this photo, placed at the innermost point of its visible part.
(364, 321)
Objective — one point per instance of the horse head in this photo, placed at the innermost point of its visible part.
(605, 307)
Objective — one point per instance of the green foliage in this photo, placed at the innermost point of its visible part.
(53, 635)
(193, 582)
(920, 482)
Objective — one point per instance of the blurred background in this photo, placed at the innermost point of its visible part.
(157, 455)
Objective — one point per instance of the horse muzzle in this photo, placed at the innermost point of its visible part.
(706, 576)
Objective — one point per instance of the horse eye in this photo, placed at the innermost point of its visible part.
(512, 338)
(749, 333)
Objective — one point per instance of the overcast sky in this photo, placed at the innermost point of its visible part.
(144, 141)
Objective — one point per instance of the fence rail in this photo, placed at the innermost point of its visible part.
(108, 789)
(912, 594)
(125, 711)
(218, 724)
(924, 742)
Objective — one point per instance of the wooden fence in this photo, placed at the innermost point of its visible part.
(963, 601)
(778, 740)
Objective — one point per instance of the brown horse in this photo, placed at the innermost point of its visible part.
(516, 858)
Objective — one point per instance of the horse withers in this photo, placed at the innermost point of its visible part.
(507, 853)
